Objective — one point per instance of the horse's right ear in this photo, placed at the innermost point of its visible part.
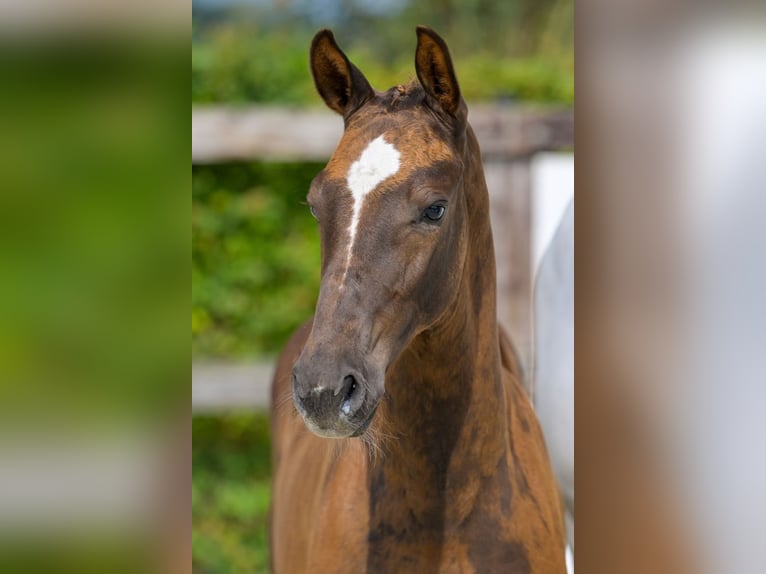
(342, 86)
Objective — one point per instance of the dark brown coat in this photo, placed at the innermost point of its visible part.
(452, 474)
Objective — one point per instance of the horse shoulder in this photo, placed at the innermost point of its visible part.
(536, 492)
(538, 514)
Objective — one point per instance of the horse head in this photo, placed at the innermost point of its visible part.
(393, 226)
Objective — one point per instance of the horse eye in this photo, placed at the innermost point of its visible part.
(434, 212)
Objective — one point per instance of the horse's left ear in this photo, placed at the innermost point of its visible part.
(433, 65)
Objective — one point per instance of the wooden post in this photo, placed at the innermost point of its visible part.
(510, 196)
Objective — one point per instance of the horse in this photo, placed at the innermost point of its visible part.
(403, 438)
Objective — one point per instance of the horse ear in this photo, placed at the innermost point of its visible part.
(433, 65)
(342, 86)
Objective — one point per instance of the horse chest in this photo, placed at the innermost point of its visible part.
(391, 550)
(380, 527)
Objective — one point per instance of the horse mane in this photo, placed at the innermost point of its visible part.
(404, 96)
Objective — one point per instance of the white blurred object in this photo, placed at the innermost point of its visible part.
(553, 227)
(722, 424)
(552, 191)
(56, 484)
(31, 17)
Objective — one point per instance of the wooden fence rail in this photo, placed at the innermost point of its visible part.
(508, 135)
(223, 387)
(221, 134)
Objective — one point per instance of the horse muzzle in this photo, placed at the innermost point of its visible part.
(333, 407)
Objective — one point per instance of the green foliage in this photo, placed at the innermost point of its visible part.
(231, 493)
(239, 63)
(242, 63)
(93, 217)
(255, 257)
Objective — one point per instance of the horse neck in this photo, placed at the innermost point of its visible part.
(446, 403)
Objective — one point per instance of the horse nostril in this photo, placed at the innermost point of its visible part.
(349, 383)
(350, 387)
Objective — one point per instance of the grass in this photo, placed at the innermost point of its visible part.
(231, 492)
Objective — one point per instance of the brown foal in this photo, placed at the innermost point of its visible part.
(410, 444)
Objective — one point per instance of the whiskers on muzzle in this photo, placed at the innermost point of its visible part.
(379, 434)
(374, 440)
(284, 403)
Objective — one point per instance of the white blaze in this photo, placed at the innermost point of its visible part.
(378, 161)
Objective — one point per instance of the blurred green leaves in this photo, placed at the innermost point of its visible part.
(92, 230)
(239, 62)
(93, 299)
(255, 257)
(230, 493)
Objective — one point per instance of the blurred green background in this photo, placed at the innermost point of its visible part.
(255, 250)
(93, 293)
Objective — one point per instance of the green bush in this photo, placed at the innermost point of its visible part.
(242, 63)
(255, 256)
(231, 493)
(238, 64)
